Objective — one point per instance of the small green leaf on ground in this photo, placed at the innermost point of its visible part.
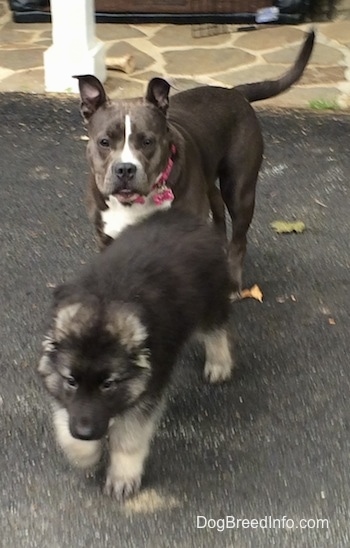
(324, 104)
(283, 227)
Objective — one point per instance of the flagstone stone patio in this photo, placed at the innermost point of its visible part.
(174, 51)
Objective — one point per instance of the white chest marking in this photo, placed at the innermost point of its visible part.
(119, 216)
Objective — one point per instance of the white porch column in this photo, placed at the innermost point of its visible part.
(75, 48)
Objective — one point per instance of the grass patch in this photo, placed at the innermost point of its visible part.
(324, 104)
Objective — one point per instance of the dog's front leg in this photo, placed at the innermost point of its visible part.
(129, 438)
(219, 360)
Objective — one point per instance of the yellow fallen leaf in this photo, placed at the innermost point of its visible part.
(331, 321)
(253, 293)
(149, 502)
(284, 227)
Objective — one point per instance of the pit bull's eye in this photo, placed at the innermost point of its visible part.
(107, 384)
(147, 142)
(71, 382)
(104, 143)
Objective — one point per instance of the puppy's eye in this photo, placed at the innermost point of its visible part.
(107, 384)
(71, 382)
(104, 143)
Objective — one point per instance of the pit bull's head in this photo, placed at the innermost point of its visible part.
(129, 146)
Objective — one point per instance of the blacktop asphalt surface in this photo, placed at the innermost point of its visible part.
(274, 441)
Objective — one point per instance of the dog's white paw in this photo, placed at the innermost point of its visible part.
(219, 355)
(217, 372)
(121, 488)
(82, 454)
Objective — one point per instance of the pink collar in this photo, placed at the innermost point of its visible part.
(162, 179)
(161, 192)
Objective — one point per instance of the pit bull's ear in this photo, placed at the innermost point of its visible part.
(158, 93)
(92, 94)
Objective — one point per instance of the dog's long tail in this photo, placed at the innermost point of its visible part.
(269, 88)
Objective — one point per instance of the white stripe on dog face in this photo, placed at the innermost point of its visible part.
(127, 155)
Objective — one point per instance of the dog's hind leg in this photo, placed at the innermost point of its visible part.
(217, 207)
(241, 218)
(219, 359)
(82, 453)
(129, 440)
(238, 176)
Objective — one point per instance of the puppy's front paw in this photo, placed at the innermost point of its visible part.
(216, 372)
(121, 488)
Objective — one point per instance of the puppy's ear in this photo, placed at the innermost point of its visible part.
(74, 313)
(92, 94)
(158, 93)
(48, 345)
(124, 322)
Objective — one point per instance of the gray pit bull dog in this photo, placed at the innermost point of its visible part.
(150, 153)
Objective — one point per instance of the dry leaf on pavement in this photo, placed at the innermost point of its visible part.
(254, 293)
(284, 227)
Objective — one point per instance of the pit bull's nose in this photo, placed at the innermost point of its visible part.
(125, 171)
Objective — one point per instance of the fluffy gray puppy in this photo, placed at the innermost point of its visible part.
(115, 334)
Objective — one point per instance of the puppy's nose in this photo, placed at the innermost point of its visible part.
(125, 171)
(83, 429)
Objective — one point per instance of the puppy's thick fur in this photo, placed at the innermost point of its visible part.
(116, 331)
(207, 133)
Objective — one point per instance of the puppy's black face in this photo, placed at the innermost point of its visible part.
(95, 364)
